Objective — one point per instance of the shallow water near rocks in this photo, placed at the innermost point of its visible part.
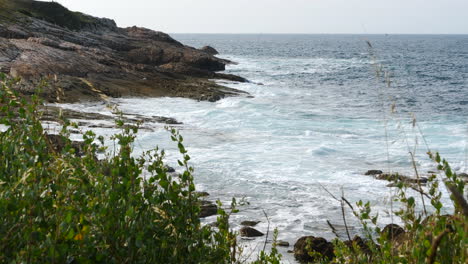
(318, 118)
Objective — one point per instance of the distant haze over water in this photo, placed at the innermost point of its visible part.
(277, 16)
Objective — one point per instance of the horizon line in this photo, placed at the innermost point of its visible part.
(299, 33)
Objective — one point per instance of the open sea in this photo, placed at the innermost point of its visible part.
(319, 117)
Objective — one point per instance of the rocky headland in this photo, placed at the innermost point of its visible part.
(86, 58)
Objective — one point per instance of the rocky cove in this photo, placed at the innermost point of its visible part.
(83, 58)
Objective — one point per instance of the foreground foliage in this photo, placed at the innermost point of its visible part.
(63, 205)
(428, 236)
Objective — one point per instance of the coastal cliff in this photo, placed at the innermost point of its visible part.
(87, 58)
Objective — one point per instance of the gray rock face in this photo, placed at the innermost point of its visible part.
(82, 54)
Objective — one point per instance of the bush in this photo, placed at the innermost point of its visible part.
(60, 207)
(427, 236)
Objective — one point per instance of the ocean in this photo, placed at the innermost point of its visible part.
(318, 118)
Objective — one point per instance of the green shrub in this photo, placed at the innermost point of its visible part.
(60, 207)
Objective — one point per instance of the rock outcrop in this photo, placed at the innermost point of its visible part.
(84, 58)
(209, 50)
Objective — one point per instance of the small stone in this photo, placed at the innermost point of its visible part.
(250, 232)
(282, 243)
(249, 223)
(202, 194)
(392, 231)
(373, 172)
(213, 224)
(169, 168)
(208, 209)
(359, 243)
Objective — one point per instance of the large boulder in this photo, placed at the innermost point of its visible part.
(319, 248)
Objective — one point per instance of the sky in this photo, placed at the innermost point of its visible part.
(284, 16)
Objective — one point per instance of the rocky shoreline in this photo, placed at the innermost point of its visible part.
(84, 58)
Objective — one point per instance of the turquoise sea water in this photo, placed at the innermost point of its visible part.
(318, 117)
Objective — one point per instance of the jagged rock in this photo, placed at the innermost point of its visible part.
(314, 245)
(249, 223)
(247, 231)
(88, 58)
(209, 50)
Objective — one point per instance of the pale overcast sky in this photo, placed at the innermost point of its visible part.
(284, 16)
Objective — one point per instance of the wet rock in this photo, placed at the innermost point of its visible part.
(463, 177)
(393, 231)
(202, 194)
(359, 243)
(282, 243)
(231, 77)
(58, 143)
(314, 245)
(52, 113)
(209, 50)
(208, 208)
(373, 172)
(169, 169)
(402, 178)
(249, 223)
(247, 231)
(213, 224)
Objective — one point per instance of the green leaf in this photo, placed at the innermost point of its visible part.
(68, 217)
